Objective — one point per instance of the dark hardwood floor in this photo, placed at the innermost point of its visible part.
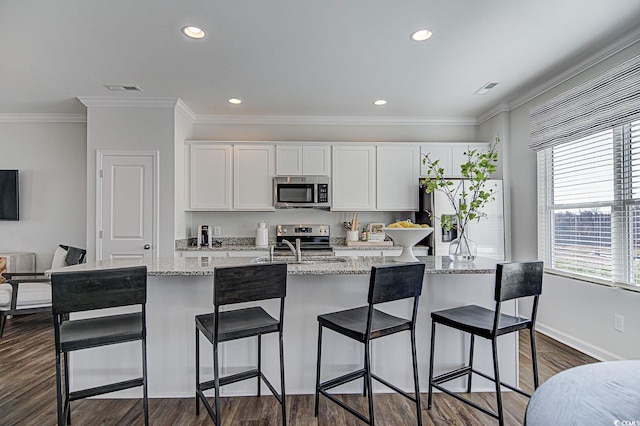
(28, 396)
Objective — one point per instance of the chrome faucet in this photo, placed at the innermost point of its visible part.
(296, 251)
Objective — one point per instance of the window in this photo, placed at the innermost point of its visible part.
(589, 205)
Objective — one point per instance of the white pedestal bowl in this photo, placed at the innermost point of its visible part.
(407, 238)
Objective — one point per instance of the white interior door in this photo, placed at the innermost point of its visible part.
(126, 218)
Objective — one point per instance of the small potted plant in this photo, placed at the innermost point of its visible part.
(467, 196)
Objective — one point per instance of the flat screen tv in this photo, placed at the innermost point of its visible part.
(9, 195)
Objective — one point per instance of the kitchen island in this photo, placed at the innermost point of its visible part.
(180, 288)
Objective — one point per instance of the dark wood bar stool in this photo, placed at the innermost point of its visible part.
(234, 285)
(387, 284)
(89, 290)
(513, 280)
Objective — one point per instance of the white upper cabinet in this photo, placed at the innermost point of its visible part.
(210, 174)
(450, 155)
(353, 177)
(397, 171)
(253, 172)
(303, 160)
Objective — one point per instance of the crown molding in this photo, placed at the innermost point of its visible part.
(90, 101)
(630, 38)
(336, 121)
(184, 109)
(43, 118)
(492, 112)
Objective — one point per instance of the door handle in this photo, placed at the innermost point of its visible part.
(147, 246)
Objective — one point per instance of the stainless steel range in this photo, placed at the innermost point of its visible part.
(314, 239)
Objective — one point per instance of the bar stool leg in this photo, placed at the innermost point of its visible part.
(216, 382)
(145, 393)
(534, 358)
(367, 367)
(59, 389)
(318, 369)
(415, 376)
(67, 403)
(433, 341)
(259, 361)
(494, 347)
(282, 391)
(471, 346)
(197, 371)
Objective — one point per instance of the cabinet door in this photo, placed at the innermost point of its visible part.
(253, 171)
(458, 156)
(436, 152)
(397, 172)
(353, 178)
(289, 160)
(210, 177)
(303, 160)
(316, 160)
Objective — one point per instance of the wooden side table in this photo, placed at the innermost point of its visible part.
(17, 262)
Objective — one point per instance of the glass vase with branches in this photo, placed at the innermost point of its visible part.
(467, 196)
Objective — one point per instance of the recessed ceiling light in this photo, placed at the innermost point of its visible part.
(235, 101)
(193, 32)
(379, 102)
(421, 35)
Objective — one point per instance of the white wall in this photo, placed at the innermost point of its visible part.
(136, 129)
(575, 312)
(51, 158)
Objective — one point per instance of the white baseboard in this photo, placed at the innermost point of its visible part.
(580, 345)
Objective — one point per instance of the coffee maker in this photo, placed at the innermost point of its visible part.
(204, 236)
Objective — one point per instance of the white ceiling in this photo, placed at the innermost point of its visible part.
(326, 58)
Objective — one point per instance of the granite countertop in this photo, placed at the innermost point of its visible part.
(200, 266)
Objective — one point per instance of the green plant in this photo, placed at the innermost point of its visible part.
(468, 195)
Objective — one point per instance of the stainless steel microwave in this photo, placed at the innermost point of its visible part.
(301, 191)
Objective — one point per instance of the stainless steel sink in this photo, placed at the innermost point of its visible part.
(306, 260)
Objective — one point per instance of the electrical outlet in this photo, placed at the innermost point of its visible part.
(217, 231)
(618, 323)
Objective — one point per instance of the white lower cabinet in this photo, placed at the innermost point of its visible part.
(418, 251)
(224, 253)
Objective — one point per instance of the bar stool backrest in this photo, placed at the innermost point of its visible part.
(88, 290)
(249, 283)
(518, 279)
(395, 282)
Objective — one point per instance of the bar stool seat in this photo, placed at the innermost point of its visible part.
(353, 323)
(238, 324)
(479, 321)
(387, 284)
(92, 332)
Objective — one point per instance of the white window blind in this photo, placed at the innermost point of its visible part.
(608, 100)
(589, 205)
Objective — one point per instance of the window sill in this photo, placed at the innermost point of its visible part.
(593, 280)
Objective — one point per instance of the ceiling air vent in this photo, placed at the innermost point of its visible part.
(121, 88)
(484, 89)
